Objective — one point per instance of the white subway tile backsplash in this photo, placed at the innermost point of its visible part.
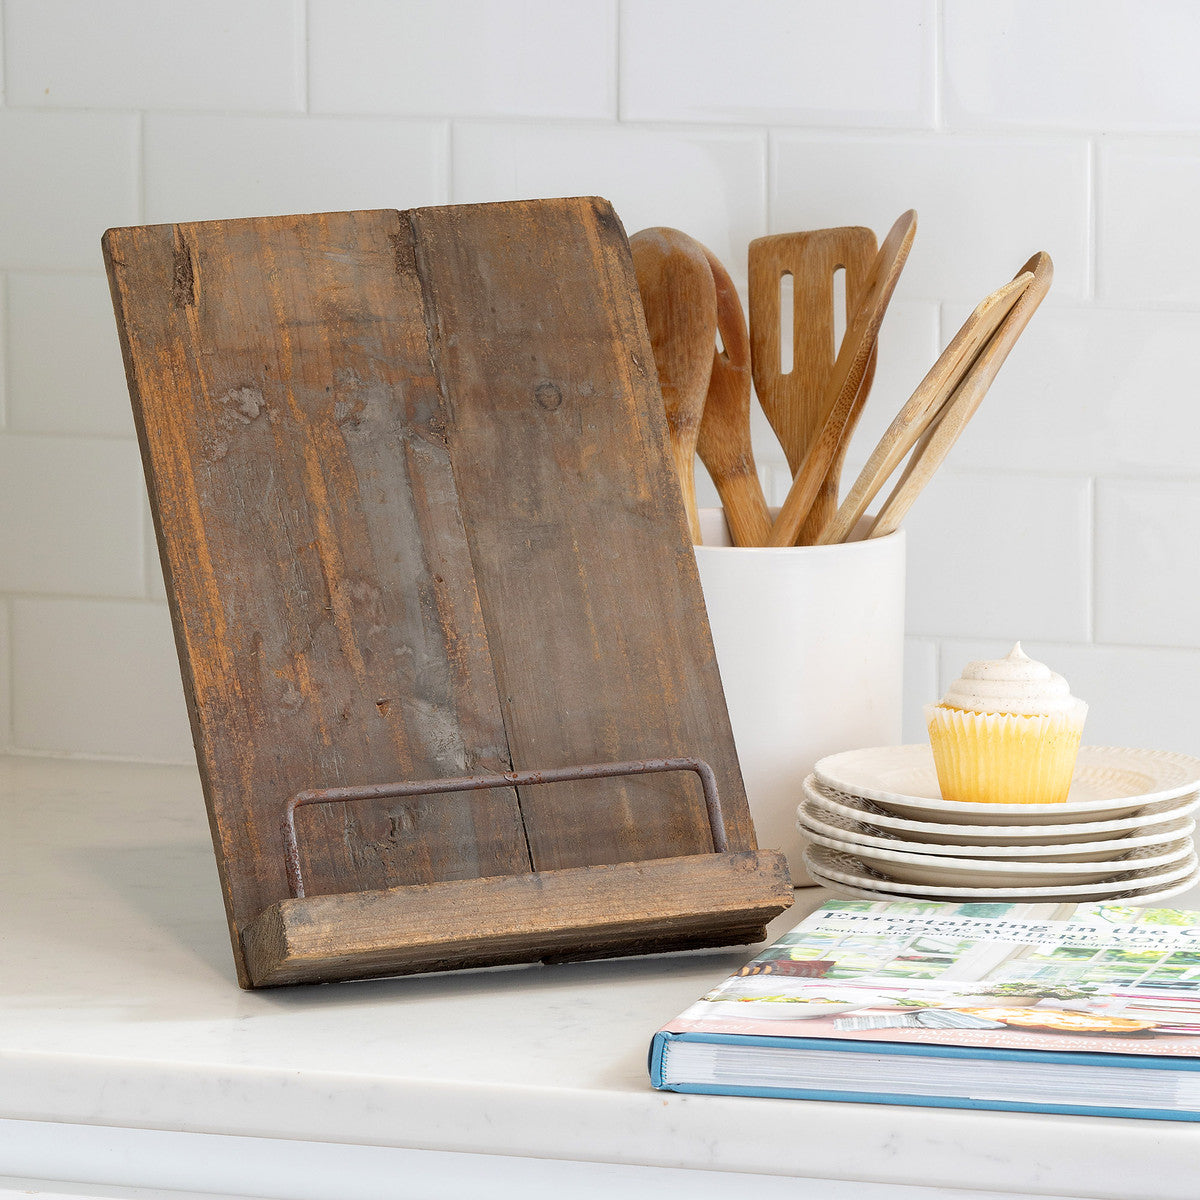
(1090, 390)
(222, 54)
(984, 204)
(1136, 696)
(97, 677)
(70, 516)
(920, 685)
(156, 589)
(863, 63)
(1148, 572)
(710, 184)
(908, 346)
(1108, 65)
(1148, 194)
(65, 177)
(3, 350)
(5, 678)
(212, 167)
(1000, 555)
(1069, 510)
(539, 58)
(64, 360)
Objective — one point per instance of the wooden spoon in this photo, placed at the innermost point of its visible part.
(961, 407)
(679, 297)
(724, 441)
(848, 374)
(794, 402)
(924, 405)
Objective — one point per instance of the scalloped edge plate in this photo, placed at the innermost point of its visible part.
(867, 811)
(814, 814)
(1108, 779)
(845, 868)
(1138, 898)
(931, 869)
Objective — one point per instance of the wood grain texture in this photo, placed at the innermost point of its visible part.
(417, 519)
(930, 452)
(321, 585)
(591, 596)
(845, 384)
(796, 403)
(679, 300)
(588, 912)
(724, 438)
(924, 405)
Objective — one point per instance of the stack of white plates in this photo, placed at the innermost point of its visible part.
(878, 828)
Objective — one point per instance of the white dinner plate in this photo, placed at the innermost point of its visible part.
(1109, 781)
(840, 867)
(1144, 822)
(816, 817)
(1152, 895)
(941, 871)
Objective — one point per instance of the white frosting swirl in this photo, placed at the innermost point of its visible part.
(1015, 684)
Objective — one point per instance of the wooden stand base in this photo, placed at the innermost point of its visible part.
(585, 912)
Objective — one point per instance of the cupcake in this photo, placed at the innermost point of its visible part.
(1007, 732)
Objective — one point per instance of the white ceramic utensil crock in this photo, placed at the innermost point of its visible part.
(810, 645)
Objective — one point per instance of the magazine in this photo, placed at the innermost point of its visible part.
(1089, 1008)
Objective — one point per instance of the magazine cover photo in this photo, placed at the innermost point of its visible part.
(1106, 977)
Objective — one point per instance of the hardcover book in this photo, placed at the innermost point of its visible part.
(1036, 1007)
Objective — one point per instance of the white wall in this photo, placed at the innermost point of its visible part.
(1068, 515)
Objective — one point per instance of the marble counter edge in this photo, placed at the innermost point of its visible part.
(1041, 1154)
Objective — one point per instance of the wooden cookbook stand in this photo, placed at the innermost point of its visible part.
(445, 654)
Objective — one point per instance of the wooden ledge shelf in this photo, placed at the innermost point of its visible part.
(586, 912)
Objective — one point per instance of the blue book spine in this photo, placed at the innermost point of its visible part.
(664, 1037)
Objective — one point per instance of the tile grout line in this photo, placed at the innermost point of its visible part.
(618, 6)
(1092, 220)
(141, 168)
(5, 356)
(303, 55)
(768, 185)
(8, 735)
(1093, 575)
(939, 55)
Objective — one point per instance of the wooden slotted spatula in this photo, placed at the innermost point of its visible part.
(960, 408)
(679, 298)
(724, 441)
(923, 406)
(794, 401)
(848, 376)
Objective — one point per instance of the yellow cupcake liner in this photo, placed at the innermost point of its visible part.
(1004, 758)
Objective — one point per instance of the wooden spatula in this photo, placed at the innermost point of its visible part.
(924, 405)
(724, 442)
(849, 372)
(961, 407)
(679, 298)
(794, 402)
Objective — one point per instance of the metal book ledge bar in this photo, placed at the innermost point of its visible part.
(475, 783)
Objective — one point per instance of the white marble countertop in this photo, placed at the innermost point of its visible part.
(119, 1007)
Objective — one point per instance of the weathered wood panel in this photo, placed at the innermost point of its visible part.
(320, 582)
(591, 598)
(417, 519)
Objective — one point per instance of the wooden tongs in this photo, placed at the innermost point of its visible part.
(947, 398)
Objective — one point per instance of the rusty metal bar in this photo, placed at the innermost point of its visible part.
(476, 783)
